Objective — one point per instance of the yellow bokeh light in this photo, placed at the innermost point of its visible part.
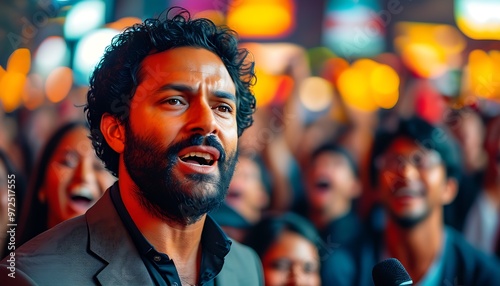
(449, 39)
(12, 84)
(315, 93)
(384, 82)
(429, 50)
(481, 67)
(19, 61)
(266, 87)
(264, 19)
(355, 91)
(384, 79)
(368, 85)
(366, 66)
(58, 84)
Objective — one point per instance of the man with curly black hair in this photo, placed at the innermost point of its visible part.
(166, 106)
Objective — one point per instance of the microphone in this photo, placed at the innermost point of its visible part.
(390, 272)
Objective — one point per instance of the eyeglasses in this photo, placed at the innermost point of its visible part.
(422, 160)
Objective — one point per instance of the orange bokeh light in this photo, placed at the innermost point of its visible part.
(32, 94)
(58, 84)
(19, 61)
(12, 84)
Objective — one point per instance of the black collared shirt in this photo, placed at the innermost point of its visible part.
(214, 247)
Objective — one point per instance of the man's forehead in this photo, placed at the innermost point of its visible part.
(184, 63)
(184, 56)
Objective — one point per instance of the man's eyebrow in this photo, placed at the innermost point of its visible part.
(223, 94)
(187, 88)
(177, 87)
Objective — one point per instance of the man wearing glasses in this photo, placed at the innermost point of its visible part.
(415, 170)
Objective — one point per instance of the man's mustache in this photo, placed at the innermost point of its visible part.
(199, 140)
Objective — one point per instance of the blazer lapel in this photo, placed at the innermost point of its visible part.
(109, 240)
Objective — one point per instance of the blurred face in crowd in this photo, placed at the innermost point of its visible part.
(413, 182)
(247, 194)
(291, 260)
(75, 178)
(181, 136)
(331, 181)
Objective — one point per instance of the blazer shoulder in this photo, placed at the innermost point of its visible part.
(60, 239)
(57, 256)
(244, 265)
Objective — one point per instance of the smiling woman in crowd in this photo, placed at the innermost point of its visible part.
(67, 180)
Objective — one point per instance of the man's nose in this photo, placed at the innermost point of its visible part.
(202, 118)
(296, 275)
(409, 170)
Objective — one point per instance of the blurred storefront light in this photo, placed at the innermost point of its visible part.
(484, 74)
(262, 19)
(89, 51)
(429, 50)
(84, 17)
(478, 19)
(354, 28)
(53, 52)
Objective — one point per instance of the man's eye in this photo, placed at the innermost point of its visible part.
(173, 101)
(310, 268)
(224, 108)
(281, 265)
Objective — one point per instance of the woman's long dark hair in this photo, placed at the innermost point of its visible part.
(33, 219)
(269, 229)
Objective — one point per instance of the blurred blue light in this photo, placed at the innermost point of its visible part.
(84, 17)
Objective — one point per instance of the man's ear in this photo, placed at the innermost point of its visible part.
(114, 132)
(450, 191)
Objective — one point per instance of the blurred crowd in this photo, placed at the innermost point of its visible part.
(321, 196)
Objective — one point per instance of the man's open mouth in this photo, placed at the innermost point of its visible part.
(414, 191)
(199, 158)
(322, 185)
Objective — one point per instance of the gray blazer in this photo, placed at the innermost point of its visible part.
(96, 249)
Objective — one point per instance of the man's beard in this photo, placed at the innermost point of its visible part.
(409, 221)
(163, 194)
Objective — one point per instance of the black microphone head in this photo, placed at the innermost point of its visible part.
(390, 272)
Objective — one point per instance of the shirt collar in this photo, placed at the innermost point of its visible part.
(213, 238)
